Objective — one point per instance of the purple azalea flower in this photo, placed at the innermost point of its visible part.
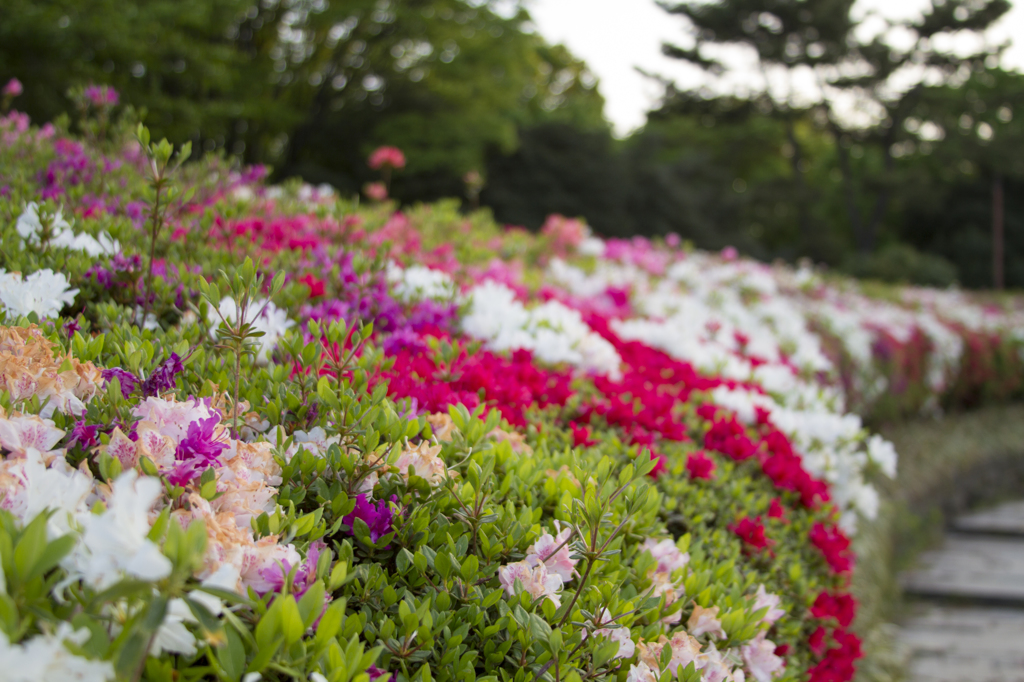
(197, 451)
(128, 380)
(198, 443)
(103, 276)
(162, 378)
(86, 435)
(134, 211)
(305, 575)
(119, 263)
(375, 673)
(71, 326)
(377, 516)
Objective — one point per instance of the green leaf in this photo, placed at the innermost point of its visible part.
(291, 619)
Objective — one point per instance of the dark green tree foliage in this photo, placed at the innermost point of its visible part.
(818, 35)
(960, 140)
(560, 169)
(308, 85)
(176, 59)
(443, 80)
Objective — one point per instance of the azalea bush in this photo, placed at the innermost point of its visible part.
(266, 432)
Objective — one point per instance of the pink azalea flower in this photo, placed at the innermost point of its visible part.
(771, 601)
(760, 659)
(558, 562)
(535, 580)
(667, 555)
(377, 191)
(391, 157)
(19, 434)
(13, 88)
(621, 635)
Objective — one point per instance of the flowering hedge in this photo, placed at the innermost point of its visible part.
(255, 432)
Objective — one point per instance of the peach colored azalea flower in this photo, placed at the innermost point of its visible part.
(424, 461)
(703, 621)
(641, 672)
(441, 425)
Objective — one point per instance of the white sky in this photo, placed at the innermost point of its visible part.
(615, 36)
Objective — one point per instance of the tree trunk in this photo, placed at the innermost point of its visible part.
(849, 191)
(801, 184)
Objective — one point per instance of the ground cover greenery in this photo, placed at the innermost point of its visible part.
(257, 431)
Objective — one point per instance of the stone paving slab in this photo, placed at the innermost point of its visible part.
(981, 568)
(965, 644)
(1006, 519)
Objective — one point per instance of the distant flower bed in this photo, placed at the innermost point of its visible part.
(255, 432)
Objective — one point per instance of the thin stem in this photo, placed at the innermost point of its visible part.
(155, 219)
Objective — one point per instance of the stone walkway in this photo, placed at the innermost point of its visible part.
(967, 623)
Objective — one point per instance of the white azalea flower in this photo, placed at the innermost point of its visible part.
(30, 228)
(45, 658)
(44, 293)
(554, 332)
(263, 315)
(114, 543)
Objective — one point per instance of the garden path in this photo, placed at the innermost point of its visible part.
(968, 624)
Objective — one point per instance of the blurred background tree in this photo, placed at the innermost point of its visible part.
(873, 150)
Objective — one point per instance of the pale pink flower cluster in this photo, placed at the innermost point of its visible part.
(31, 484)
(760, 659)
(21, 434)
(667, 555)
(685, 650)
(669, 559)
(171, 418)
(563, 234)
(619, 634)
(537, 581)
(714, 665)
(553, 552)
(764, 599)
(246, 476)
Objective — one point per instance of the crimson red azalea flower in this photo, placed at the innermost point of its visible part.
(817, 641)
(834, 545)
(699, 465)
(776, 510)
(581, 436)
(316, 286)
(786, 470)
(842, 607)
(510, 384)
(727, 435)
(839, 662)
(751, 531)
